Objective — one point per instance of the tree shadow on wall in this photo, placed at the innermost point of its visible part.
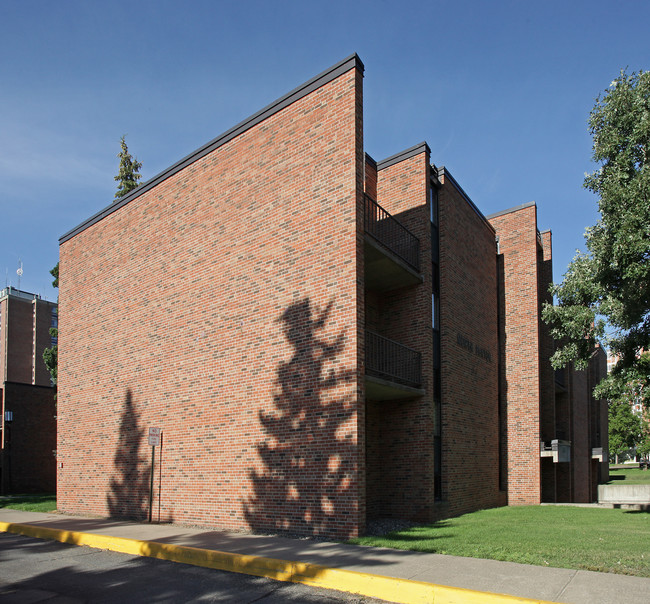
(129, 493)
(308, 484)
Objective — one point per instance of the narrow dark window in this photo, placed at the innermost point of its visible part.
(435, 323)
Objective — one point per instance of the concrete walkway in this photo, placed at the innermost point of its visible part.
(392, 575)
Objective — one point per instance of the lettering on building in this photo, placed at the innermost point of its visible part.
(468, 345)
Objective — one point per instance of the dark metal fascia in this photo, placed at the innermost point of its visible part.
(371, 161)
(403, 155)
(434, 177)
(446, 174)
(351, 62)
(513, 209)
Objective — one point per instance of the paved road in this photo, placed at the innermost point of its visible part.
(32, 570)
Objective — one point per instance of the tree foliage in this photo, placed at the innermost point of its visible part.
(51, 355)
(643, 448)
(625, 428)
(129, 171)
(605, 294)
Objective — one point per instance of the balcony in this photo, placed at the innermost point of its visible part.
(559, 450)
(393, 371)
(392, 252)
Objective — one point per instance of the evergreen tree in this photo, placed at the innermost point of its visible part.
(129, 171)
(605, 294)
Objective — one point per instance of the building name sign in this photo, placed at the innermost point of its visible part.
(468, 345)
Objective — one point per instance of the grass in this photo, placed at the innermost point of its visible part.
(29, 503)
(605, 540)
(629, 476)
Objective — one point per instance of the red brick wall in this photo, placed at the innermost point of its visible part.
(517, 232)
(400, 433)
(3, 331)
(370, 184)
(28, 460)
(225, 310)
(469, 347)
(25, 334)
(400, 469)
(20, 318)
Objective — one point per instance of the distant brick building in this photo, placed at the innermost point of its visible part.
(322, 338)
(28, 423)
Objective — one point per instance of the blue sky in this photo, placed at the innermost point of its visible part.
(501, 91)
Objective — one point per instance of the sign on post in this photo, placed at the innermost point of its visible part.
(154, 441)
(154, 437)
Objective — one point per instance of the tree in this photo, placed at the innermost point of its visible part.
(643, 448)
(625, 428)
(51, 355)
(129, 171)
(605, 294)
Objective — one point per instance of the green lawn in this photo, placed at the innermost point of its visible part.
(628, 476)
(606, 540)
(29, 503)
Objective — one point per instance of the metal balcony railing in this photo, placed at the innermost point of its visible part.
(392, 361)
(391, 234)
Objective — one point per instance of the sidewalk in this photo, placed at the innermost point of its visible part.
(393, 575)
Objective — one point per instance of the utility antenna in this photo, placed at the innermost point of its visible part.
(19, 272)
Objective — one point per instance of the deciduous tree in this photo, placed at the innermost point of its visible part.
(625, 428)
(605, 294)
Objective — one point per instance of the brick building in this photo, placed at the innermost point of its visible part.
(318, 335)
(28, 423)
(540, 405)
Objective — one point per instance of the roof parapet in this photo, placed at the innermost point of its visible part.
(404, 155)
(351, 62)
(445, 175)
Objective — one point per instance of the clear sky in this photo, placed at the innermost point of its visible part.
(501, 91)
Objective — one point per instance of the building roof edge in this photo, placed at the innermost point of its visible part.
(446, 174)
(351, 62)
(370, 160)
(513, 209)
(403, 155)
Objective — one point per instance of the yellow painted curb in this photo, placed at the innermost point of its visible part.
(402, 591)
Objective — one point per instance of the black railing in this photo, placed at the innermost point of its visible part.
(390, 233)
(392, 361)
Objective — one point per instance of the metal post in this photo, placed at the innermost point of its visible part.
(153, 457)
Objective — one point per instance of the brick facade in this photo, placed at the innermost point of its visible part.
(541, 405)
(227, 316)
(402, 462)
(28, 441)
(470, 354)
(518, 244)
(267, 303)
